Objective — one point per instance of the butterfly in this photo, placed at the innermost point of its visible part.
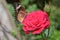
(20, 13)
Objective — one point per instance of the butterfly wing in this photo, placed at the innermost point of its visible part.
(21, 13)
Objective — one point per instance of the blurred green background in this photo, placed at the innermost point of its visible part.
(53, 12)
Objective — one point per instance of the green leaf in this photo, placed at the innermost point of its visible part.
(31, 8)
(14, 32)
(25, 2)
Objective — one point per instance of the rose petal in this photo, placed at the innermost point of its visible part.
(38, 31)
(26, 32)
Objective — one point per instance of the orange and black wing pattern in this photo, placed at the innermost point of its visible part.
(21, 13)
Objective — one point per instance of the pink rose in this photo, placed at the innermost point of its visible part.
(36, 22)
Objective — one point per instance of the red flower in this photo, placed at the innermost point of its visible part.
(36, 22)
